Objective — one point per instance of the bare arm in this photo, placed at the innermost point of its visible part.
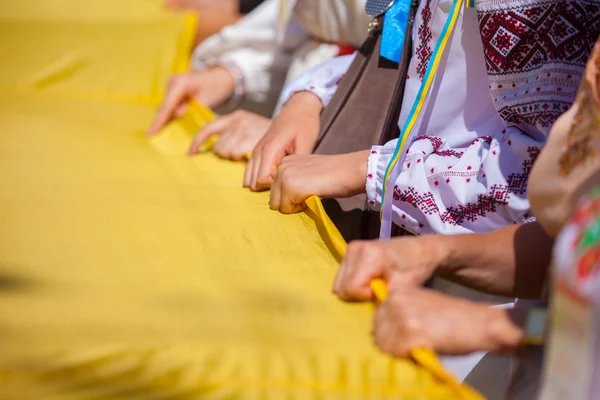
(512, 261)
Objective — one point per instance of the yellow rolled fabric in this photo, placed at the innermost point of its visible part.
(130, 271)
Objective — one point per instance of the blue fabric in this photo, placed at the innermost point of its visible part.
(395, 22)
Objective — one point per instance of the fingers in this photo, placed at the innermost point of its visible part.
(362, 263)
(262, 175)
(240, 149)
(284, 191)
(254, 173)
(181, 109)
(397, 328)
(275, 200)
(386, 334)
(339, 276)
(214, 128)
(248, 171)
(227, 144)
(287, 204)
(235, 143)
(176, 93)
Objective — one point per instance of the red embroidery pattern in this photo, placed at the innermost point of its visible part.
(526, 37)
(423, 50)
(498, 195)
(487, 139)
(540, 112)
(436, 142)
(450, 153)
(535, 55)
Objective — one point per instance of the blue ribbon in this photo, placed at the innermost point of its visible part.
(395, 22)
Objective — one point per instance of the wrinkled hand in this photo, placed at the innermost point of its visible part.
(301, 176)
(238, 132)
(422, 318)
(401, 262)
(210, 87)
(293, 131)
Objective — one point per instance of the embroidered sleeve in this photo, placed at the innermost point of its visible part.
(249, 49)
(321, 80)
(532, 88)
(477, 188)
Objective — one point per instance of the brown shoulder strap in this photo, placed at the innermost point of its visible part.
(364, 111)
(348, 83)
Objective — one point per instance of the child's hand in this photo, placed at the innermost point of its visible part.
(301, 176)
(293, 131)
(209, 87)
(421, 318)
(238, 134)
(402, 262)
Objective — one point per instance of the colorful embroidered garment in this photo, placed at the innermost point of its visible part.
(569, 165)
(495, 101)
(129, 271)
(510, 69)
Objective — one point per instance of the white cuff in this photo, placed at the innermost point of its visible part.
(322, 80)
(378, 161)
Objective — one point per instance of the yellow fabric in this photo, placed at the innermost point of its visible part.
(424, 357)
(130, 271)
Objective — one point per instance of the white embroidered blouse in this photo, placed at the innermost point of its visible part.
(510, 69)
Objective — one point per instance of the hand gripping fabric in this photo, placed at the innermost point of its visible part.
(131, 271)
(423, 357)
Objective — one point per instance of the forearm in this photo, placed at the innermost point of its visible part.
(322, 80)
(511, 261)
(303, 104)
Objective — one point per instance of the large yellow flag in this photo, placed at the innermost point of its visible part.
(130, 271)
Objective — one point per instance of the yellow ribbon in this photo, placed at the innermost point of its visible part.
(426, 358)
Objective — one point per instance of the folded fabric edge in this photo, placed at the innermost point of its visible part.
(337, 246)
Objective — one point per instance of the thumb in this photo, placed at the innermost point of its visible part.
(269, 163)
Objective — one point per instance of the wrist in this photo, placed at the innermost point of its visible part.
(304, 108)
(450, 253)
(360, 160)
(306, 102)
(348, 177)
(227, 84)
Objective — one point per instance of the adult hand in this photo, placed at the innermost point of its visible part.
(422, 318)
(401, 262)
(293, 131)
(238, 132)
(301, 176)
(210, 87)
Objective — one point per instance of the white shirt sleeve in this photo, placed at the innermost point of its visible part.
(250, 46)
(322, 80)
(445, 190)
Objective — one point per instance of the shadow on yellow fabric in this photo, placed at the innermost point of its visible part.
(130, 271)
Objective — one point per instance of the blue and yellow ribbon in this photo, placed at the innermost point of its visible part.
(407, 133)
